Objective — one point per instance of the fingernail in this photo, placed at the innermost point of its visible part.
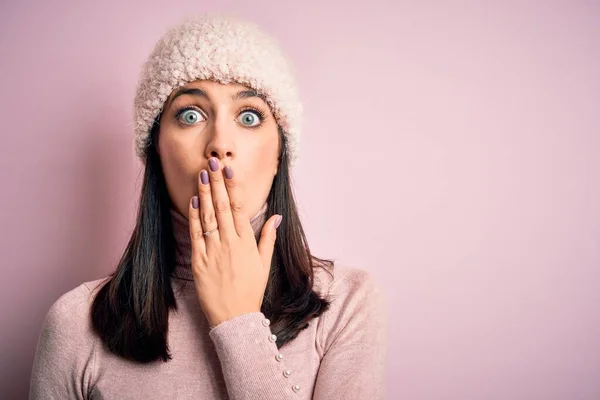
(213, 164)
(204, 177)
(228, 172)
(278, 221)
(195, 201)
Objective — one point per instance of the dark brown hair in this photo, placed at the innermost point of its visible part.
(130, 312)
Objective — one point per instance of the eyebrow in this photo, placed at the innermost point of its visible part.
(244, 94)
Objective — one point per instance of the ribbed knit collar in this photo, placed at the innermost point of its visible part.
(183, 243)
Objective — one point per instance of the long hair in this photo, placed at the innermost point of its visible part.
(130, 312)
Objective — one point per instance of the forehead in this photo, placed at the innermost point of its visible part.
(215, 92)
(211, 86)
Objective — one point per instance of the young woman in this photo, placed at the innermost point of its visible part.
(217, 295)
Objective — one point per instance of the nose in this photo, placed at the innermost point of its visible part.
(220, 144)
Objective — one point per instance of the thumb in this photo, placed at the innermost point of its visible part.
(266, 243)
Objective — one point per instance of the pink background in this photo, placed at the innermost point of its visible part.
(451, 149)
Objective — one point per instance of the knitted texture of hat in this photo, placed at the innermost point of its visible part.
(225, 49)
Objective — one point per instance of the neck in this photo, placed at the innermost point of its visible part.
(183, 244)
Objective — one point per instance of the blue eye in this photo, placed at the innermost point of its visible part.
(190, 116)
(250, 118)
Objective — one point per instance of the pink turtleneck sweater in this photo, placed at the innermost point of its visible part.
(341, 355)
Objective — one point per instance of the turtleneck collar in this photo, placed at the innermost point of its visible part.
(183, 244)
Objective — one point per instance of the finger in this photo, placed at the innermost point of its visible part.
(220, 200)
(198, 244)
(266, 243)
(208, 218)
(241, 220)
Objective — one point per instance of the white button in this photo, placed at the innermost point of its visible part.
(296, 388)
(273, 338)
(279, 357)
(287, 373)
(266, 322)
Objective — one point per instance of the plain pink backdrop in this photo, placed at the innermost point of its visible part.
(450, 148)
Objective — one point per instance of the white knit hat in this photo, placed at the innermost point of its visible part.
(224, 49)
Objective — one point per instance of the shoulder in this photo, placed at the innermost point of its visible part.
(68, 319)
(67, 326)
(345, 281)
(357, 305)
(68, 306)
(74, 303)
(64, 358)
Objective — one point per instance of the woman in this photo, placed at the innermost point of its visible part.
(217, 294)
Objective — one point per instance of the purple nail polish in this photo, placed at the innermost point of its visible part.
(228, 172)
(204, 177)
(195, 202)
(213, 164)
(278, 221)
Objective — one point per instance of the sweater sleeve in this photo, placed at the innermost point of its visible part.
(352, 336)
(248, 356)
(354, 340)
(63, 362)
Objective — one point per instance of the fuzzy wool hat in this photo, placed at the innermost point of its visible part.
(225, 49)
